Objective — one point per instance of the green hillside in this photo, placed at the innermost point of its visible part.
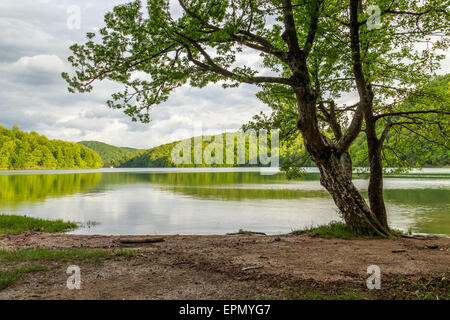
(22, 150)
(161, 156)
(295, 153)
(112, 156)
(158, 157)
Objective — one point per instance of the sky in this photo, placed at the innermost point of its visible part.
(34, 45)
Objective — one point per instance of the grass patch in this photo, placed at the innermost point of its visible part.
(332, 230)
(303, 294)
(428, 288)
(435, 288)
(339, 230)
(60, 255)
(9, 277)
(13, 224)
(291, 293)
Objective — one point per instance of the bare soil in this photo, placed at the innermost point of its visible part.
(235, 267)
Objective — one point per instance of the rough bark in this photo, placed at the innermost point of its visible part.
(347, 164)
(376, 199)
(346, 196)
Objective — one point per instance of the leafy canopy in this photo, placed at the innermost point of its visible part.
(153, 51)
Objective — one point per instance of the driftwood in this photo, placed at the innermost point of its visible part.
(247, 233)
(250, 268)
(420, 237)
(142, 240)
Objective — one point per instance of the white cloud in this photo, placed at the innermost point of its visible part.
(36, 70)
(39, 63)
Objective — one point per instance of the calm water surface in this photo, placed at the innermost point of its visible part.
(164, 201)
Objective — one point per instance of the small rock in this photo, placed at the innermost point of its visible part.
(277, 239)
(398, 250)
(431, 246)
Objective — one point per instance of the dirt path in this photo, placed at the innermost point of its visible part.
(214, 267)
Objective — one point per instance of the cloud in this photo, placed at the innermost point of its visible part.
(36, 70)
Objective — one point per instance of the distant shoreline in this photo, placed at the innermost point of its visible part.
(429, 170)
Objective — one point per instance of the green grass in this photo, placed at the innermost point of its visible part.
(429, 288)
(338, 230)
(9, 277)
(342, 294)
(13, 224)
(332, 230)
(60, 255)
(435, 288)
(295, 293)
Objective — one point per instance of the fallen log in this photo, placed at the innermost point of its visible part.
(247, 233)
(142, 240)
(420, 237)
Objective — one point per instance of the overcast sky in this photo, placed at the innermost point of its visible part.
(34, 42)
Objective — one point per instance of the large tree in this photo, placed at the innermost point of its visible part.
(313, 52)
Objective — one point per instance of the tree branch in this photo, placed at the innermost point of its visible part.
(312, 28)
(402, 113)
(290, 34)
(264, 45)
(213, 67)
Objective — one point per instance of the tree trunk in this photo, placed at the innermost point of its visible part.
(352, 206)
(347, 163)
(324, 153)
(366, 96)
(376, 199)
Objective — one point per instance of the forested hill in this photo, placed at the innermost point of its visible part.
(112, 156)
(22, 150)
(435, 156)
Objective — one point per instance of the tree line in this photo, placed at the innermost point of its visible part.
(424, 154)
(20, 150)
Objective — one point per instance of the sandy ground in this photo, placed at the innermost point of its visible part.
(227, 267)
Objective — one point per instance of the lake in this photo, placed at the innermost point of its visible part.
(211, 201)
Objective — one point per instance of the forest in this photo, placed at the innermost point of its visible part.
(20, 150)
(112, 156)
(426, 154)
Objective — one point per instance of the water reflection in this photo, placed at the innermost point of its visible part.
(137, 202)
(16, 189)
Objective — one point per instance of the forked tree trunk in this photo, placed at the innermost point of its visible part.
(334, 177)
(351, 204)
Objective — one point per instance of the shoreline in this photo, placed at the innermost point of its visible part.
(236, 267)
